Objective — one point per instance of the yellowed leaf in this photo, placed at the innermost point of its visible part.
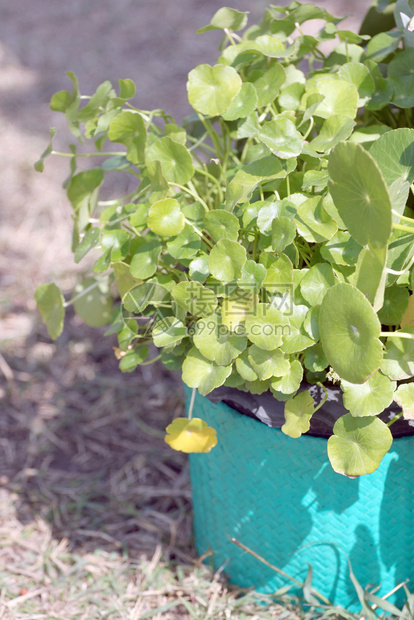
(408, 316)
(190, 435)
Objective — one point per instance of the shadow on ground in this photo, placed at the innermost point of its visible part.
(81, 445)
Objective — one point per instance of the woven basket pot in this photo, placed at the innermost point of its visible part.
(280, 497)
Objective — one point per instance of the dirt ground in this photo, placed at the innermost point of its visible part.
(81, 445)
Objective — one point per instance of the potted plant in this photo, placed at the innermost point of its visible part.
(265, 247)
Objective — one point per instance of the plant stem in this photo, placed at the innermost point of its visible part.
(400, 273)
(190, 408)
(81, 294)
(402, 217)
(403, 228)
(212, 178)
(212, 134)
(97, 154)
(154, 359)
(191, 193)
(395, 418)
(325, 398)
(309, 128)
(397, 335)
(229, 36)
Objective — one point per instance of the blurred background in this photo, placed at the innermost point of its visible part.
(81, 448)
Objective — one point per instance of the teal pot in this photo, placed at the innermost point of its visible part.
(279, 497)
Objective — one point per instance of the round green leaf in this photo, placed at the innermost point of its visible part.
(290, 383)
(297, 339)
(298, 412)
(282, 138)
(168, 330)
(221, 225)
(268, 364)
(360, 194)
(243, 104)
(133, 358)
(311, 323)
(334, 129)
(212, 89)
(401, 75)
(199, 372)
(226, 18)
(358, 445)
(267, 213)
(185, 245)
(145, 259)
(314, 358)
(226, 260)
(356, 73)
(94, 307)
(176, 161)
(117, 243)
(369, 398)
(244, 367)
(382, 45)
(195, 298)
(341, 249)
(395, 304)
(198, 269)
(266, 326)
(165, 218)
(404, 397)
(252, 276)
(50, 303)
(145, 294)
(215, 342)
(349, 330)
(313, 222)
(267, 84)
(394, 154)
(316, 282)
(340, 97)
(283, 233)
(398, 362)
(128, 128)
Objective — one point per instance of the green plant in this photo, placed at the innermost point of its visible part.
(267, 237)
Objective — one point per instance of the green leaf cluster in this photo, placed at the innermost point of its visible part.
(268, 238)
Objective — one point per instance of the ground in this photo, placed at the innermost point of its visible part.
(95, 510)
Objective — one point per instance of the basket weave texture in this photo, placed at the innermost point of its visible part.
(280, 497)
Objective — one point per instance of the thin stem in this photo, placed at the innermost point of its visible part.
(325, 398)
(288, 186)
(199, 233)
(154, 359)
(191, 193)
(397, 335)
(395, 418)
(309, 128)
(229, 36)
(403, 271)
(191, 407)
(97, 154)
(403, 228)
(81, 294)
(212, 178)
(212, 135)
(402, 217)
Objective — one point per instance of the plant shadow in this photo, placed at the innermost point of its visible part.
(82, 445)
